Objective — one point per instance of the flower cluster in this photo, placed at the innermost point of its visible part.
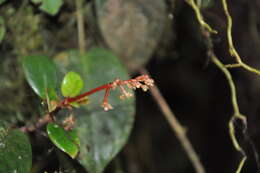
(143, 81)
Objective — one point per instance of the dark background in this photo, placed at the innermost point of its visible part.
(195, 89)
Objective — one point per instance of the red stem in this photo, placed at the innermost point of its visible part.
(79, 97)
(106, 95)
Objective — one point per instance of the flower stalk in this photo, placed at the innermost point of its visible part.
(143, 81)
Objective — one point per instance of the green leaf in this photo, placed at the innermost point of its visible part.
(15, 152)
(66, 141)
(73, 134)
(41, 73)
(102, 134)
(2, 28)
(71, 85)
(51, 7)
(2, 1)
(142, 22)
(36, 1)
(205, 3)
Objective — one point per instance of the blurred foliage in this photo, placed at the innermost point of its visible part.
(49, 6)
(15, 152)
(162, 34)
(23, 29)
(102, 134)
(2, 29)
(140, 20)
(2, 1)
(205, 3)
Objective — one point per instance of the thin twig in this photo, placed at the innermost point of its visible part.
(80, 25)
(230, 82)
(232, 50)
(236, 115)
(39, 124)
(223, 68)
(176, 127)
(200, 17)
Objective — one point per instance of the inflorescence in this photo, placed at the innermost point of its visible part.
(143, 81)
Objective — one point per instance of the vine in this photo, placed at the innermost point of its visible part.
(206, 31)
(236, 115)
(232, 50)
(200, 17)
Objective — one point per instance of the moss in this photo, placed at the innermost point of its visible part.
(24, 29)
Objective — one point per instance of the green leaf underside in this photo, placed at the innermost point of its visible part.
(41, 74)
(71, 85)
(51, 7)
(102, 134)
(15, 152)
(65, 141)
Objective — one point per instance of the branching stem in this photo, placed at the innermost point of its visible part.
(200, 17)
(81, 96)
(233, 52)
(143, 81)
(236, 115)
